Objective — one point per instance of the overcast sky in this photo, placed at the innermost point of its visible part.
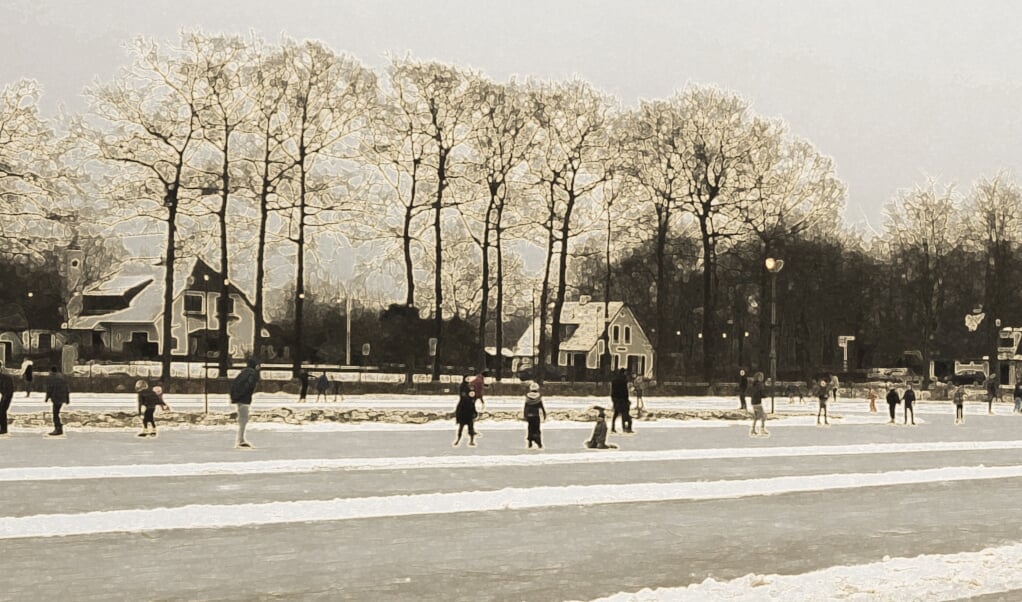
(893, 90)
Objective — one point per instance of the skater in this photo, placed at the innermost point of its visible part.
(465, 412)
(743, 386)
(303, 390)
(872, 396)
(478, 384)
(148, 399)
(637, 384)
(991, 386)
(6, 396)
(834, 385)
(599, 438)
(242, 388)
(893, 399)
(533, 408)
(909, 398)
(619, 397)
(823, 393)
(57, 393)
(959, 398)
(756, 399)
(27, 377)
(322, 386)
(1017, 394)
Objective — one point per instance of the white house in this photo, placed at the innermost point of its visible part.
(582, 344)
(124, 313)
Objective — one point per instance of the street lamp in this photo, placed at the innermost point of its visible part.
(205, 344)
(773, 266)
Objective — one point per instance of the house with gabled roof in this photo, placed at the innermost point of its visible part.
(124, 312)
(583, 330)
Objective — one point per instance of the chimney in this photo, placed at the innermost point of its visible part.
(583, 299)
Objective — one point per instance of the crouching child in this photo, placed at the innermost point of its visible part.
(599, 438)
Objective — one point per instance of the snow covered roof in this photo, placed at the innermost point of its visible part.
(587, 319)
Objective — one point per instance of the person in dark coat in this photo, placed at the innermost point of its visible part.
(242, 388)
(893, 399)
(322, 387)
(993, 387)
(619, 397)
(6, 396)
(465, 412)
(533, 408)
(148, 400)
(27, 377)
(823, 393)
(743, 386)
(909, 398)
(59, 394)
(303, 381)
(599, 438)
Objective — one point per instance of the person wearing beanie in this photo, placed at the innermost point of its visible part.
(242, 388)
(533, 408)
(148, 399)
(599, 438)
(465, 412)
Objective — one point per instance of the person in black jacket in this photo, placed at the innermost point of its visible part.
(303, 381)
(619, 397)
(242, 388)
(148, 399)
(533, 408)
(27, 376)
(6, 395)
(743, 386)
(757, 406)
(892, 401)
(599, 438)
(59, 394)
(909, 398)
(465, 412)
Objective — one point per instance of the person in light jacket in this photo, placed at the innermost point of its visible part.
(533, 409)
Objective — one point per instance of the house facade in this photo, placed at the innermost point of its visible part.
(585, 332)
(124, 313)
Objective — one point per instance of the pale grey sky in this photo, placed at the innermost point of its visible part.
(893, 90)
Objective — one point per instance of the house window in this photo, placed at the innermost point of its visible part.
(229, 302)
(617, 333)
(45, 341)
(193, 303)
(628, 335)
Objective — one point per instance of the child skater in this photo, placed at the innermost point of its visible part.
(823, 393)
(465, 413)
(599, 438)
(959, 398)
(148, 399)
(533, 408)
(872, 396)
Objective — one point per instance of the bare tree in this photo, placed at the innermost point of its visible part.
(570, 161)
(923, 224)
(151, 114)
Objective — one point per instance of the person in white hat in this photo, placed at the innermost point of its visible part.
(148, 399)
(533, 408)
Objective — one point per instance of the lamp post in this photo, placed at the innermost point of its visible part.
(773, 266)
(205, 343)
(28, 323)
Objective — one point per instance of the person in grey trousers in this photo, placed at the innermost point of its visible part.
(242, 389)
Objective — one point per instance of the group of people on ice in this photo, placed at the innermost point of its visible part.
(471, 401)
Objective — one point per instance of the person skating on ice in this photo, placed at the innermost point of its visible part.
(303, 385)
(871, 395)
(148, 400)
(835, 384)
(743, 387)
(28, 376)
(1017, 395)
(619, 397)
(6, 396)
(242, 388)
(465, 412)
(893, 399)
(533, 409)
(322, 386)
(59, 394)
(959, 399)
(823, 394)
(599, 437)
(756, 399)
(909, 398)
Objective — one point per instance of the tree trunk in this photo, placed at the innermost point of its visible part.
(168, 281)
(709, 307)
(484, 309)
(438, 283)
(500, 298)
(264, 214)
(562, 282)
(406, 239)
(224, 342)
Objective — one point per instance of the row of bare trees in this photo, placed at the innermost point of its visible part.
(252, 154)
